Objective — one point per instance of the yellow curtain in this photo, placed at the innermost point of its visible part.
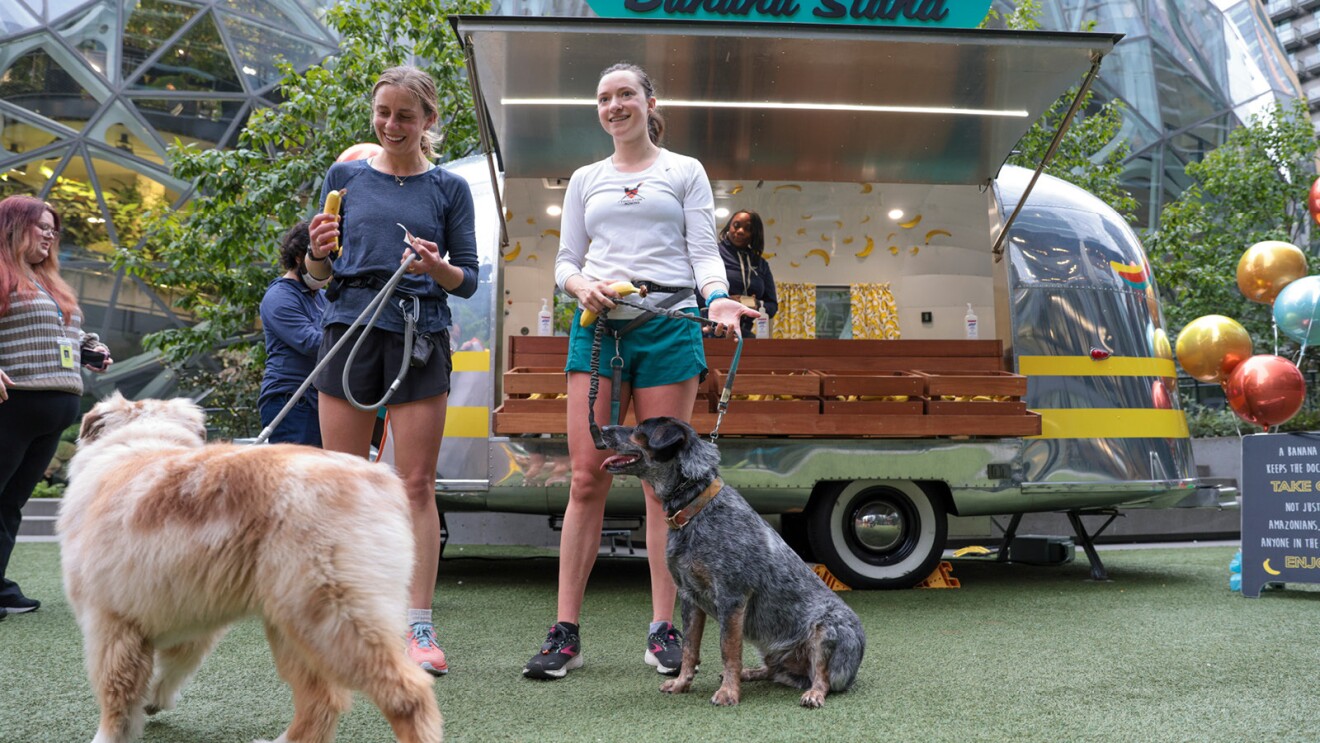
(874, 312)
(796, 317)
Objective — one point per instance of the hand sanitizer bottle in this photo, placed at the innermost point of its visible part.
(970, 319)
(545, 323)
(761, 326)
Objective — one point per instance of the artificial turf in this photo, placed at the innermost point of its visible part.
(1162, 652)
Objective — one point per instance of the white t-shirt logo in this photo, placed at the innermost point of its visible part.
(631, 196)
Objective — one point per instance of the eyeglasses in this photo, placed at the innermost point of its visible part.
(48, 231)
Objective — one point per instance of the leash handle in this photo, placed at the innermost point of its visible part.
(593, 388)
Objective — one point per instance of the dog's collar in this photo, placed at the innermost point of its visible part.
(681, 518)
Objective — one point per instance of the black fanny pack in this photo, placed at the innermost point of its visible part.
(337, 285)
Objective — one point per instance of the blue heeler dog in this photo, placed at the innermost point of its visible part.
(730, 564)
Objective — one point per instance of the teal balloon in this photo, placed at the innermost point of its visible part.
(1296, 311)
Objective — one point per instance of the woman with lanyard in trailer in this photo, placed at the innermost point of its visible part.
(401, 185)
(644, 214)
(41, 347)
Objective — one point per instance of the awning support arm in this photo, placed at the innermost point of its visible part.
(487, 136)
(998, 249)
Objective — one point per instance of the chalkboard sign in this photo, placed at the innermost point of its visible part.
(1280, 510)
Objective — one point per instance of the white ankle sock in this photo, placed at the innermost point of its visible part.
(419, 615)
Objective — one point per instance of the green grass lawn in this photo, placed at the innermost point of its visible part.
(1163, 652)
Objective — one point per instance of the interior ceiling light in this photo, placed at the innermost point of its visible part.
(721, 212)
(554, 210)
(895, 213)
(765, 105)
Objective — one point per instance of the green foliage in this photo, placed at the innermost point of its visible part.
(1206, 422)
(48, 490)
(231, 393)
(1254, 187)
(223, 246)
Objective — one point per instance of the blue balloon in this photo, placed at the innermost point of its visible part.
(1297, 309)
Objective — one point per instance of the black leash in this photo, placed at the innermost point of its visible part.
(651, 311)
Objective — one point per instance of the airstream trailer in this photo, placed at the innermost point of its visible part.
(890, 180)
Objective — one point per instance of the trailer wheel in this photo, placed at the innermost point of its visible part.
(878, 534)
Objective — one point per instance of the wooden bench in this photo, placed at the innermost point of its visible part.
(809, 388)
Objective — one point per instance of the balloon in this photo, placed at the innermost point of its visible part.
(1267, 267)
(1211, 346)
(1266, 390)
(1295, 309)
(1313, 201)
(359, 151)
(1159, 394)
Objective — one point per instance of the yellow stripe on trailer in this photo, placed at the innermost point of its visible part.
(471, 361)
(1111, 423)
(1085, 366)
(463, 422)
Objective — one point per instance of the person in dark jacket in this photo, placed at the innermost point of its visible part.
(291, 314)
(742, 243)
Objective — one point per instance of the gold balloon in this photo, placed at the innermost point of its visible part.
(1267, 267)
(1212, 346)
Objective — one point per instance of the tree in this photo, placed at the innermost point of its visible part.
(1090, 155)
(222, 246)
(1253, 187)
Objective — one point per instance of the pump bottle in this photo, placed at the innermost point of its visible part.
(761, 325)
(545, 324)
(970, 319)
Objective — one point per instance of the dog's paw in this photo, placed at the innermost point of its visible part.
(676, 686)
(813, 699)
(724, 697)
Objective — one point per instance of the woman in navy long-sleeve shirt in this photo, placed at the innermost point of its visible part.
(291, 313)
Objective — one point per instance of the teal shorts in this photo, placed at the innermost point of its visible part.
(658, 352)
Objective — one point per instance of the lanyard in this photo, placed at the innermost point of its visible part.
(51, 297)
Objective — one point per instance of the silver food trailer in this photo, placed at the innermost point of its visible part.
(829, 132)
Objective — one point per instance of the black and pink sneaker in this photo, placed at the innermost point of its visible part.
(560, 653)
(664, 649)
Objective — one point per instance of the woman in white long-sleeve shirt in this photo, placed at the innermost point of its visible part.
(644, 214)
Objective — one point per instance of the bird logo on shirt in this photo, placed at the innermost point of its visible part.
(631, 195)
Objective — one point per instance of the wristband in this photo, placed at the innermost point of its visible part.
(717, 294)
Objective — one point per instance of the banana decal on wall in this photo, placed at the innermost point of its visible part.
(910, 223)
(870, 245)
(512, 255)
(788, 187)
(867, 188)
(933, 233)
(817, 251)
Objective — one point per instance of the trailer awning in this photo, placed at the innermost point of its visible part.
(777, 101)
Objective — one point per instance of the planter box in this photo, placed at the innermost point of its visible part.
(972, 384)
(975, 407)
(793, 382)
(836, 384)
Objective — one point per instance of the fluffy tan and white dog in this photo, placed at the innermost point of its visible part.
(167, 541)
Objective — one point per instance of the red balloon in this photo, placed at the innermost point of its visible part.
(1313, 201)
(1159, 393)
(1265, 390)
(359, 151)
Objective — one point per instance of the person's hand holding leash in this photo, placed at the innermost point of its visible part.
(428, 255)
(729, 313)
(597, 296)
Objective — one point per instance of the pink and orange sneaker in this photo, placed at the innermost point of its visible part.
(425, 651)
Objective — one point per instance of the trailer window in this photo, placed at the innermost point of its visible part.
(833, 312)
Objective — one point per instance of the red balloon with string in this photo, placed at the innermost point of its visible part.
(1266, 390)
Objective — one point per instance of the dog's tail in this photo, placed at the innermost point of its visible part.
(849, 646)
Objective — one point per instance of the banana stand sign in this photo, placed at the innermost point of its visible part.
(1280, 510)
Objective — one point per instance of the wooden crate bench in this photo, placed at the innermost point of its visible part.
(814, 373)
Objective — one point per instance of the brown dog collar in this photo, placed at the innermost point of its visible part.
(683, 516)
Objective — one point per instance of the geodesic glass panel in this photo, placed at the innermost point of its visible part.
(57, 8)
(38, 83)
(148, 26)
(1183, 100)
(93, 31)
(285, 14)
(83, 230)
(256, 48)
(130, 191)
(24, 176)
(120, 129)
(199, 121)
(18, 136)
(198, 61)
(15, 18)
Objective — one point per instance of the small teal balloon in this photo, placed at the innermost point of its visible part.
(1296, 310)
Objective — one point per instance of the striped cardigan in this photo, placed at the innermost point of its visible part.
(30, 349)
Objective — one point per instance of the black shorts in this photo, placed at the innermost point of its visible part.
(377, 364)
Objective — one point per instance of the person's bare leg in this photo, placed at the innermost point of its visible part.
(417, 429)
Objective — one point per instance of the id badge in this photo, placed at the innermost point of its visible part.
(67, 359)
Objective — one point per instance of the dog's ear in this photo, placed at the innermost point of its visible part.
(93, 424)
(667, 437)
